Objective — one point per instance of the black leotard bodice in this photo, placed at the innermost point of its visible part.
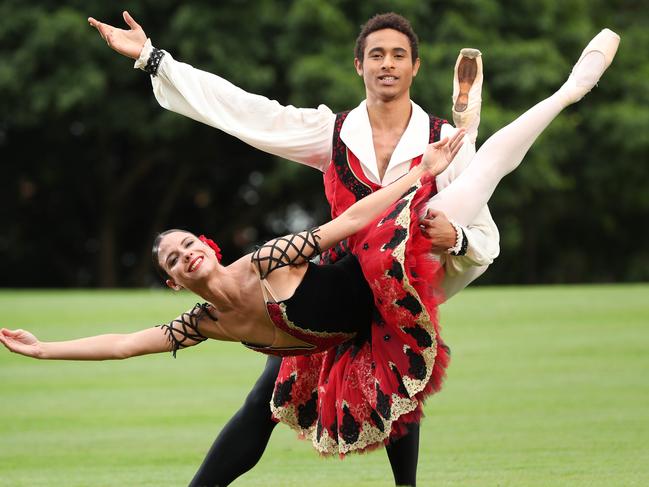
(332, 298)
(332, 304)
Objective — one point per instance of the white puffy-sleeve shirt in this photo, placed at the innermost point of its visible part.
(304, 135)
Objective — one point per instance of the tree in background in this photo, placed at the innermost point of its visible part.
(93, 167)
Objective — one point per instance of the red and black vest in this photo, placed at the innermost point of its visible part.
(344, 181)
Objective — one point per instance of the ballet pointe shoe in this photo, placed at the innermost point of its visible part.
(596, 57)
(467, 91)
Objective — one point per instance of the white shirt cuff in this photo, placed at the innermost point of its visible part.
(145, 53)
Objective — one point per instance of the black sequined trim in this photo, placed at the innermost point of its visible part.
(396, 271)
(307, 412)
(398, 208)
(402, 388)
(339, 159)
(399, 236)
(153, 63)
(334, 429)
(383, 403)
(410, 303)
(422, 336)
(350, 429)
(417, 364)
(376, 419)
(283, 390)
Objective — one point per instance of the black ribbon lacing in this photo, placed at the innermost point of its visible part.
(185, 327)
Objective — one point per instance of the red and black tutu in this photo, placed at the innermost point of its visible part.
(357, 395)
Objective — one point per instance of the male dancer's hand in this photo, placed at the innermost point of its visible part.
(437, 227)
(127, 42)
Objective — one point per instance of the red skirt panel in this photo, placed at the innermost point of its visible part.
(359, 394)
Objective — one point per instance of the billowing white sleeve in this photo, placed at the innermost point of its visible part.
(482, 234)
(300, 134)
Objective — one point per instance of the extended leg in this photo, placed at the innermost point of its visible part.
(243, 440)
(504, 151)
(403, 455)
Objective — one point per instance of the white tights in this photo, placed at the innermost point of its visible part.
(499, 155)
(503, 151)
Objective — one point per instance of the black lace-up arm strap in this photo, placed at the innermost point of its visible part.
(294, 249)
(184, 331)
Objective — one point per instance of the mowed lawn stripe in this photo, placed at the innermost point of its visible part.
(547, 386)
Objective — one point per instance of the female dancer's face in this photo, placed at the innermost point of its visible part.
(186, 260)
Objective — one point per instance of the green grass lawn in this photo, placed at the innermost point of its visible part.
(548, 386)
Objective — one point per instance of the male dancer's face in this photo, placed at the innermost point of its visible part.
(387, 68)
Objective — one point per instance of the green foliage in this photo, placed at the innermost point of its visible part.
(92, 167)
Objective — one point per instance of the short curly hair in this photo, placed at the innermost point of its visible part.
(389, 20)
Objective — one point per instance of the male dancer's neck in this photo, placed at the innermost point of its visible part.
(389, 115)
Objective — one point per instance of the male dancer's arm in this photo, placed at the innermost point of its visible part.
(298, 134)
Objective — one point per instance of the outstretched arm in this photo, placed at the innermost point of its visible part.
(298, 248)
(185, 331)
(100, 347)
(129, 42)
(298, 134)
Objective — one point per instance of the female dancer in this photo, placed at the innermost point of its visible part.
(360, 393)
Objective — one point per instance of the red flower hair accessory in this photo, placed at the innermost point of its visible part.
(210, 243)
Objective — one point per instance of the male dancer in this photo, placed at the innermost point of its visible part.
(358, 151)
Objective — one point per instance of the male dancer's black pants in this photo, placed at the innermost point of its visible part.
(243, 440)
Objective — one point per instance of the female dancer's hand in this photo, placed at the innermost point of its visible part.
(126, 42)
(439, 155)
(21, 341)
